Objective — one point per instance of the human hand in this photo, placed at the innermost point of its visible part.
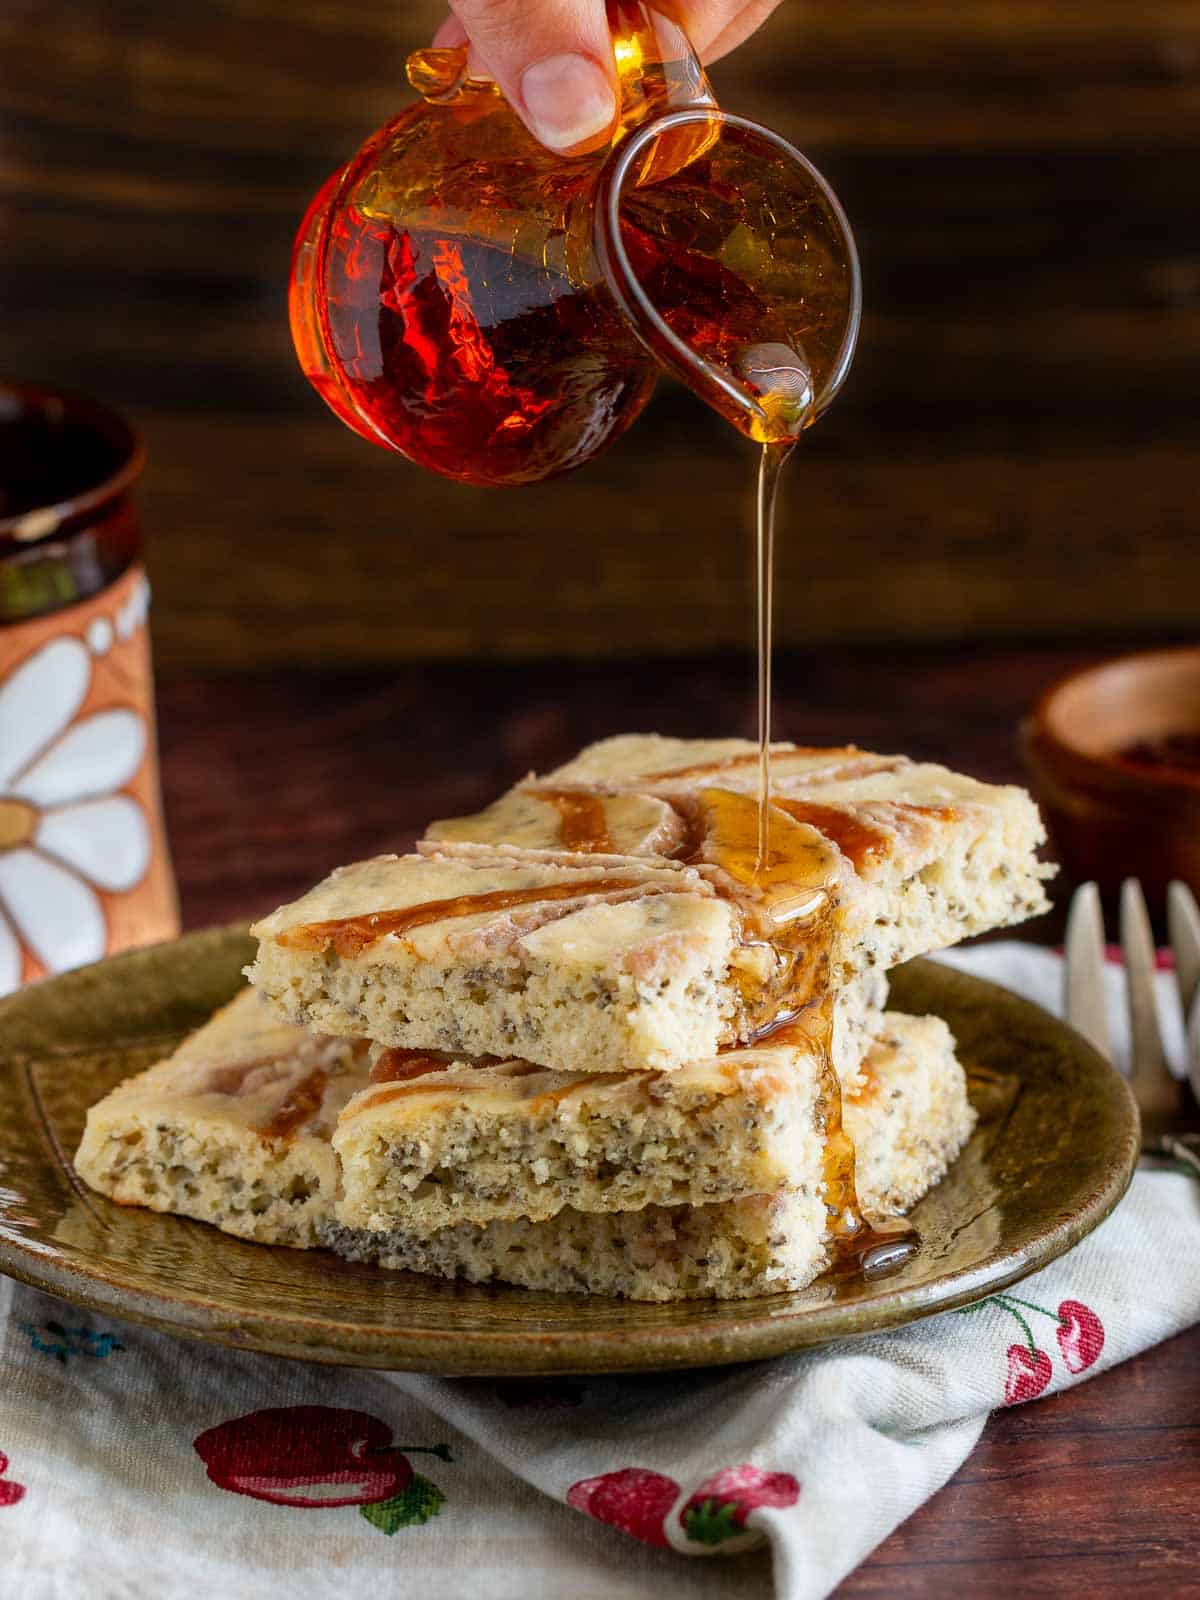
(553, 59)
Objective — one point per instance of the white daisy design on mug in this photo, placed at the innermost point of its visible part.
(84, 868)
(69, 837)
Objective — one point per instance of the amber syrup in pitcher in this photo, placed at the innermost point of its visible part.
(451, 307)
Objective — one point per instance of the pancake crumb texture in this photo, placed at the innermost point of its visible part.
(758, 1245)
(233, 1129)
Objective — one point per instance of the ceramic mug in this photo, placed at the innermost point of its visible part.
(84, 868)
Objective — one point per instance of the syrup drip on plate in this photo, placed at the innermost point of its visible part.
(858, 1246)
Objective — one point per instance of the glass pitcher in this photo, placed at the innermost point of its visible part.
(499, 313)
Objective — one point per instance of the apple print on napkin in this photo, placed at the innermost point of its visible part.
(320, 1458)
(714, 1516)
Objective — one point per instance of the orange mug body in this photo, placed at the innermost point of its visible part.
(84, 868)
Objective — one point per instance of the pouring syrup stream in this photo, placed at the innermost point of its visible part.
(770, 467)
(779, 380)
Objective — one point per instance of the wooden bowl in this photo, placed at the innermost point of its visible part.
(1111, 817)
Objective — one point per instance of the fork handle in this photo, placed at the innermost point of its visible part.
(1181, 1147)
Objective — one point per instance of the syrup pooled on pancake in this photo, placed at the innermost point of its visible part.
(350, 936)
(583, 819)
(301, 1104)
(786, 897)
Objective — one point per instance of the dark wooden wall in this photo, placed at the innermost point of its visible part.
(1016, 452)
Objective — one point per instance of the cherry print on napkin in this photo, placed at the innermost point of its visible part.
(1080, 1334)
(320, 1458)
(1029, 1374)
(640, 1502)
(10, 1492)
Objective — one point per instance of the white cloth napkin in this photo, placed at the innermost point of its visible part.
(134, 1465)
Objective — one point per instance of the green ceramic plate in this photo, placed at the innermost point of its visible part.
(1055, 1148)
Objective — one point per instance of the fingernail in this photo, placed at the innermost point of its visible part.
(568, 100)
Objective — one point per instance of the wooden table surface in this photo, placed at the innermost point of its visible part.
(1023, 180)
(272, 780)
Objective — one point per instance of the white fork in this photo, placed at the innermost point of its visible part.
(1170, 1114)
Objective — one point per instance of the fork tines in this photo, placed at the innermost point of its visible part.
(1083, 970)
(1161, 1097)
(1158, 1094)
(1183, 924)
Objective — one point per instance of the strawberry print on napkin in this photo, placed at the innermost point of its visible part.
(643, 1504)
(10, 1492)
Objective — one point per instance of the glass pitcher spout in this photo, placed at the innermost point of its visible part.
(736, 266)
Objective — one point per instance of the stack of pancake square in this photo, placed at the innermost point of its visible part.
(594, 1039)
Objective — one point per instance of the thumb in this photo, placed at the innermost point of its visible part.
(553, 60)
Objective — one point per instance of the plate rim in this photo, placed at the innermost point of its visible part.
(761, 1333)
